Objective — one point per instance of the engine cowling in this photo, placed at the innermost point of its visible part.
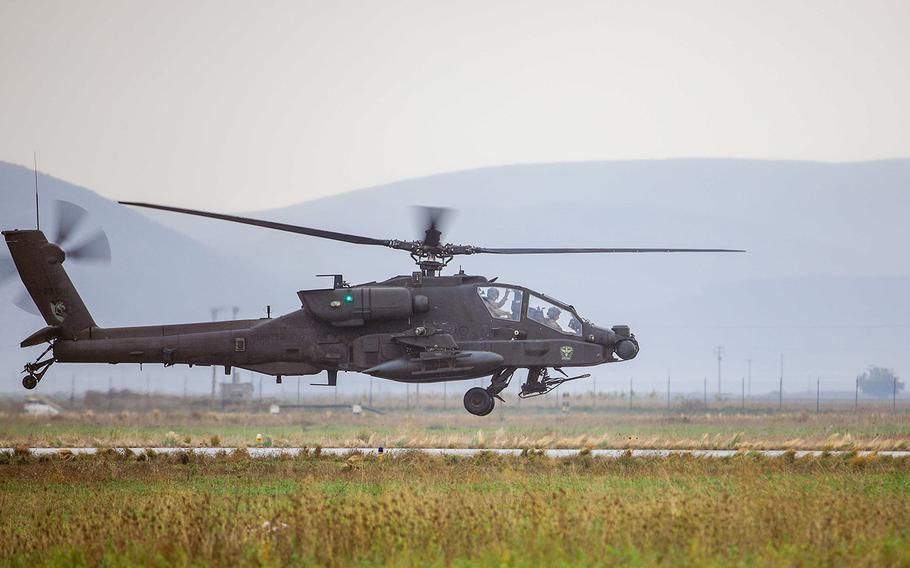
(351, 307)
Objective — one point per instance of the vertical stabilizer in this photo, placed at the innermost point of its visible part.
(40, 265)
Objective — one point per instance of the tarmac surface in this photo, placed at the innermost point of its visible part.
(262, 452)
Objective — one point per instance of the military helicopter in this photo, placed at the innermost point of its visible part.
(422, 327)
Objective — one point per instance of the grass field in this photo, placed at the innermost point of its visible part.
(844, 430)
(487, 510)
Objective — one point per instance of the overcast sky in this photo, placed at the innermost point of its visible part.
(248, 105)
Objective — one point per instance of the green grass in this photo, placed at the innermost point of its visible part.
(442, 511)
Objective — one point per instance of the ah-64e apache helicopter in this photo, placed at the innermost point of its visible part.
(418, 328)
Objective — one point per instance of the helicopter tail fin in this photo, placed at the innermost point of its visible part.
(40, 266)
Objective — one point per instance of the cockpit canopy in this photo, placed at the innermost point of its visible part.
(506, 303)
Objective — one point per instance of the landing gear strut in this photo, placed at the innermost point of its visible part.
(35, 371)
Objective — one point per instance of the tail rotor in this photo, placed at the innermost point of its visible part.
(93, 248)
(72, 233)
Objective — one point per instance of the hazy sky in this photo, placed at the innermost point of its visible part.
(248, 105)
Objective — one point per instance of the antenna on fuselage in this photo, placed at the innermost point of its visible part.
(37, 213)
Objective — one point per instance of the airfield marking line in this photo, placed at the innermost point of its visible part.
(260, 452)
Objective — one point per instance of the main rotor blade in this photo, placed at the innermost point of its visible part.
(69, 217)
(590, 250)
(344, 237)
(7, 268)
(95, 249)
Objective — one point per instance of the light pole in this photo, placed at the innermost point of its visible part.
(719, 351)
(743, 403)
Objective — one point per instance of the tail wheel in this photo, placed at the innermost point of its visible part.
(478, 401)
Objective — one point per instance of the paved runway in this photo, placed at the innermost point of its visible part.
(466, 452)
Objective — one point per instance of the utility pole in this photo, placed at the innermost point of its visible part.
(719, 351)
(184, 387)
(371, 391)
(743, 403)
(260, 389)
(668, 390)
(780, 394)
(749, 387)
(445, 392)
(298, 392)
(417, 397)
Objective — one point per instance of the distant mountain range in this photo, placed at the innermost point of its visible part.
(824, 281)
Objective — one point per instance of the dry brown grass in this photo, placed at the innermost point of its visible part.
(799, 430)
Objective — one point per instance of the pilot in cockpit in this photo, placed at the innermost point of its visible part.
(496, 304)
(552, 318)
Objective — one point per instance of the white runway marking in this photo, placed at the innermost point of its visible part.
(465, 452)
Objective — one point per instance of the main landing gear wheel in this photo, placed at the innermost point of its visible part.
(478, 401)
(30, 382)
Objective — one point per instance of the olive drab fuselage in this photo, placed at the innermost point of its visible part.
(414, 328)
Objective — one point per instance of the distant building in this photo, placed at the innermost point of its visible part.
(38, 407)
(237, 392)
